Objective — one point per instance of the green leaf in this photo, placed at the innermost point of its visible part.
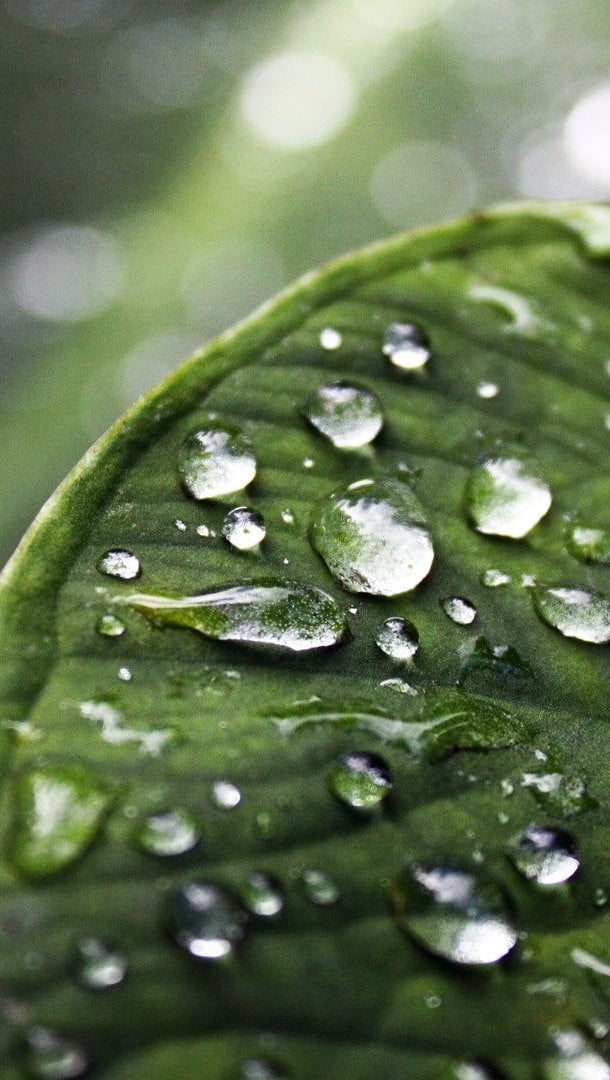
(301, 860)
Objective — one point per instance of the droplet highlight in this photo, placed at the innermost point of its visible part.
(589, 544)
(110, 626)
(361, 780)
(50, 1056)
(575, 611)
(459, 610)
(216, 461)
(397, 638)
(97, 965)
(244, 528)
(545, 855)
(207, 921)
(119, 563)
(507, 496)
(167, 833)
(262, 894)
(406, 347)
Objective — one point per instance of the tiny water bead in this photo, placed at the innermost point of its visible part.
(225, 795)
(507, 496)
(459, 610)
(348, 415)
(397, 638)
(262, 894)
(110, 625)
(453, 914)
(119, 563)
(374, 538)
(572, 1058)
(330, 339)
(575, 611)
(50, 1056)
(361, 780)
(167, 833)
(494, 579)
(545, 855)
(216, 461)
(487, 390)
(206, 920)
(244, 528)
(589, 544)
(319, 888)
(97, 965)
(406, 346)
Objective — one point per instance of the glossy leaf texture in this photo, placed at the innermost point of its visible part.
(252, 828)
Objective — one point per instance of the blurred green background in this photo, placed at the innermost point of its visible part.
(169, 164)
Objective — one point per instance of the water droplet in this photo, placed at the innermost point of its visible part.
(498, 659)
(487, 390)
(493, 578)
(216, 461)
(203, 530)
(589, 544)
(399, 686)
(600, 897)
(406, 346)
(124, 674)
(544, 855)
(59, 811)
(279, 614)
(121, 564)
(507, 496)
(50, 1056)
(287, 516)
(206, 920)
(459, 610)
(308, 463)
(361, 780)
(573, 1059)
(559, 794)
(398, 638)
(168, 832)
(244, 528)
(347, 414)
(180, 525)
(320, 888)
(453, 914)
(576, 611)
(115, 732)
(589, 962)
(330, 339)
(110, 625)
(374, 540)
(262, 895)
(259, 1069)
(97, 965)
(225, 795)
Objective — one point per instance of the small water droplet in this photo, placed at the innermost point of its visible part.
(167, 832)
(244, 528)
(545, 855)
(225, 795)
(330, 339)
(308, 463)
(206, 920)
(180, 525)
(433, 1001)
(347, 414)
(216, 461)
(361, 780)
(399, 686)
(262, 895)
(459, 610)
(97, 965)
(287, 516)
(259, 1069)
(576, 611)
(572, 1058)
(507, 496)
(498, 659)
(600, 897)
(374, 540)
(398, 638)
(203, 530)
(453, 914)
(51, 1056)
(589, 544)
(406, 346)
(493, 578)
(124, 674)
(487, 390)
(119, 563)
(320, 888)
(110, 625)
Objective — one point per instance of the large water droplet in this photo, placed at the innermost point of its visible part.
(453, 914)
(374, 539)
(97, 965)
(120, 563)
(168, 832)
(320, 888)
(589, 544)
(406, 346)
(207, 921)
(361, 780)
(262, 895)
(576, 611)
(50, 1056)
(349, 415)
(572, 1058)
(545, 855)
(216, 461)
(110, 625)
(459, 610)
(59, 811)
(507, 496)
(244, 528)
(280, 614)
(398, 638)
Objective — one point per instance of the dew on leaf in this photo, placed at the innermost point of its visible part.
(244, 528)
(545, 855)
(110, 625)
(330, 339)
(572, 1058)
(206, 920)
(493, 578)
(180, 525)
(374, 539)
(499, 659)
(399, 686)
(97, 965)
(506, 496)
(459, 610)
(407, 347)
(225, 795)
(320, 888)
(261, 1069)
(348, 415)
(397, 638)
(558, 793)
(262, 894)
(50, 1056)
(589, 544)
(576, 611)
(167, 833)
(287, 516)
(119, 563)
(216, 461)
(453, 914)
(361, 780)
(124, 674)
(487, 390)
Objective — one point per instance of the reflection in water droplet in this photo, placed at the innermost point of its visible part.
(168, 832)
(347, 414)
(406, 346)
(453, 914)
(507, 496)
(216, 461)
(225, 795)
(244, 528)
(110, 626)
(459, 610)
(50, 1056)
(97, 965)
(398, 638)
(573, 1059)
(493, 578)
(374, 539)
(207, 921)
(121, 564)
(262, 895)
(320, 888)
(487, 390)
(576, 611)
(545, 855)
(361, 780)
(589, 544)
(330, 339)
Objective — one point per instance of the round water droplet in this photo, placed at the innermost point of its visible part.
(110, 626)
(493, 578)
(207, 921)
(262, 895)
(572, 1058)
(330, 339)
(216, 461)
(507, 496)
(589, 544)
(124, 674)
(398, 638)
(374, 539)
(121, 564)
(97, 965)
(576, 611)
(244, 528)
(453, 914)
(406, 346)
(225, 795)
(50, 1056)
(545, 855)
(320, 888)
(459, 610)
(347, 414)
(259, 1069)
(361, 780)
(170, 832)
(487, 390)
